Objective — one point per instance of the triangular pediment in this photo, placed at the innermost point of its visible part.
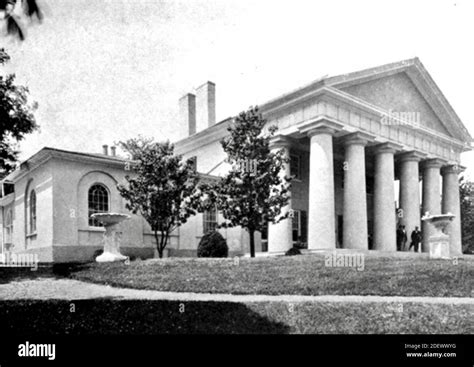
(398, 94)
(404, 87)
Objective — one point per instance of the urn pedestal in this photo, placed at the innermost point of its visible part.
(438, 242)
(112, 236)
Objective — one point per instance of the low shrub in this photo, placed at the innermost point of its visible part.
(293, 251)
(212, 244)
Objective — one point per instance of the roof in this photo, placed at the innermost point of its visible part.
(47, 153)
(413, 67)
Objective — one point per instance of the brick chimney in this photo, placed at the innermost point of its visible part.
(105, 149)
(205, 106)
(187, 112)
(113, 151)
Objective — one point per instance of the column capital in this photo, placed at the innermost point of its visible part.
(452, 168)
(320, 126)
(413, 156)
(357, 138)
(279, 141)
(433, 163)
(387, 147)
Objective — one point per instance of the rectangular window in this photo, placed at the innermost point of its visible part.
(300, 228)
(295, 166)
(209, 221)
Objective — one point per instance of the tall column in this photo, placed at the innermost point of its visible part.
(384, 193)
(321, 221)
(280, 234)
(410, 190)
(431, 195)
(451, 204)
(355, 233)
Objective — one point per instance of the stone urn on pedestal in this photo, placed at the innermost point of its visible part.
(112, 236)
(438, 242)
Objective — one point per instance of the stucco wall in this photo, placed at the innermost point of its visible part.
(208, 157)
(40, 181)
(72, 181)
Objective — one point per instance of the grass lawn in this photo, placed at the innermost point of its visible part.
(306, 275)
(141, 317)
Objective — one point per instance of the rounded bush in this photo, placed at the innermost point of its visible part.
(212, 244)
(293, 251)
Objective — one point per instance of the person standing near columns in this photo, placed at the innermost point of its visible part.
(415, 239)
(321, 221)
(451, 204)
(384, 193)
(355, 233)
(431, 196)
(280, 234)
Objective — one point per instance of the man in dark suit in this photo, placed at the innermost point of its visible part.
(415, 239)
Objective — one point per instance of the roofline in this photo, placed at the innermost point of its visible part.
(337, 80)
(444, 100)
(47, 153)
(392, 68)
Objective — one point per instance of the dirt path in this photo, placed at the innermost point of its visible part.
(69, 289)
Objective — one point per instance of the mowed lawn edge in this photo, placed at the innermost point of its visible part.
(303, 275)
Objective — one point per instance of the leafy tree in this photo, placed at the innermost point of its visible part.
(466, 193)
(162, 188)
(253, 191)
(16, 116)
(12, 15)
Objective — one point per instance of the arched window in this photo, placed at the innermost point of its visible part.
(9, 226)
(32, 209)
(98, 203)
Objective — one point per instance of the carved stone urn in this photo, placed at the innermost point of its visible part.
(438, 242)
(112, 236)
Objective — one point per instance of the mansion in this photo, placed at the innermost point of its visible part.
(353, 141)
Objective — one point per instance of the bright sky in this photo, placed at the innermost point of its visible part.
(107, 70)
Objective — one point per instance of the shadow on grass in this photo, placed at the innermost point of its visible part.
(9, 274)
(106, 316)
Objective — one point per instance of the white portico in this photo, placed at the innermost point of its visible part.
(367, 130)
(354, 141)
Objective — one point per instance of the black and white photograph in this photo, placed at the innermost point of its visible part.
(176, 170)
